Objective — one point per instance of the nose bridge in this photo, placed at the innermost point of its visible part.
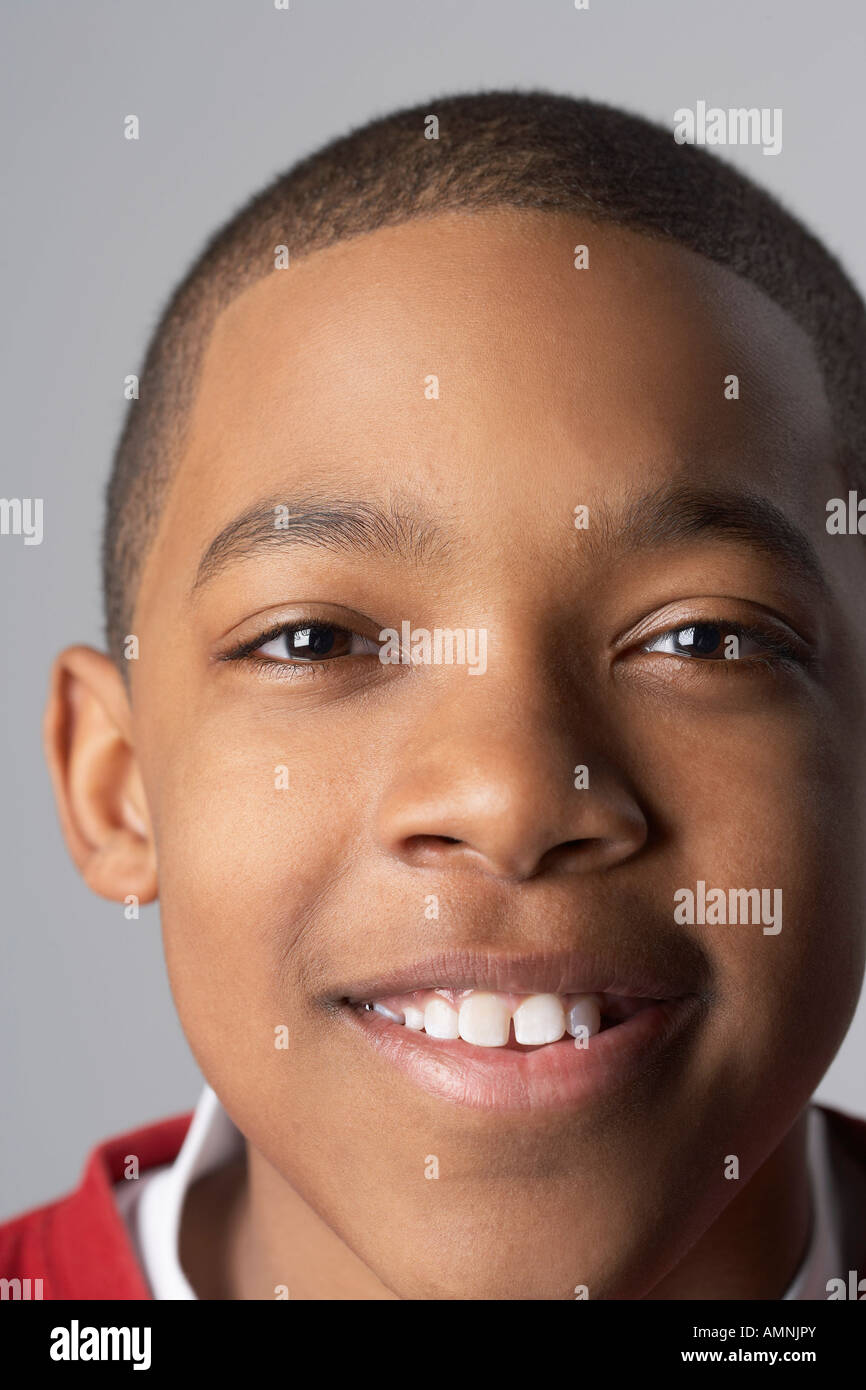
(505, 725)
(487, 775)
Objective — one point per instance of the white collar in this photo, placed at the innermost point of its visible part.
(151, 1207)
(823, 1259)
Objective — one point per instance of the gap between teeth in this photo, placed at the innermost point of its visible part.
(486, 1019)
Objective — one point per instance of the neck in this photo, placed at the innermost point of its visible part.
(247, 1234)
(755, 1247)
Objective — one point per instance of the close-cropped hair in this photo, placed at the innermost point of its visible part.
(531, 150)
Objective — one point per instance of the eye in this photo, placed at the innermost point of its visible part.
(717, 641)
(311, 642)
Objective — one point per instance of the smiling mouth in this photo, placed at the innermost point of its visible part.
(484, 1065)
(539, 1032)
(486, 1019)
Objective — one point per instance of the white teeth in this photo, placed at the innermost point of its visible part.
(584, 1013)
(539, 1019)
(484, 1020)
(440, 1019)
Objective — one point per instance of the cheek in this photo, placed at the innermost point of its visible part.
(773, 804)
(252, 833)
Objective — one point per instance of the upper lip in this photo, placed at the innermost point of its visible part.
(613, 970)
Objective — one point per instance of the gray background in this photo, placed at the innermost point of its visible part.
(95, 232)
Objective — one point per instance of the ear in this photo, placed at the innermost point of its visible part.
(97, 785)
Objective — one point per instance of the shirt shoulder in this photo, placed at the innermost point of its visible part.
(78, 1246)
(847, 1146)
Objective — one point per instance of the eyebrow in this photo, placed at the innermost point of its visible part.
(675, 514)
(341, 524)
(670, 515)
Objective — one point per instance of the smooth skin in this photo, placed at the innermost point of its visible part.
(557, 387)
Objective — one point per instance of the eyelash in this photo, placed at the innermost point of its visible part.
(781, 654)
(245, 651)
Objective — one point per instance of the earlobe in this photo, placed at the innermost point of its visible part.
(97, 784)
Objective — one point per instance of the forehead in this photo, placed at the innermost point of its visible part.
(468, 355)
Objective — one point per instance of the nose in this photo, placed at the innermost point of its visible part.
(477, 785)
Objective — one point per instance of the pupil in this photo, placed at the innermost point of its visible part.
(311, 641)
(700, 640)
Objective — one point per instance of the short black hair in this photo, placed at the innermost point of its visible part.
(532, 150)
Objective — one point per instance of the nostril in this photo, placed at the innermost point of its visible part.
(430, 849)
(576, 855)
(431, 841)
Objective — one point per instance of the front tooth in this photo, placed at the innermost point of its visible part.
(584, 1013)
(539, 1019)
(440, 1020)
(484, 1020)
(414, 1018)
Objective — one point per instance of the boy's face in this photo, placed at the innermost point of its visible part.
(558, 388)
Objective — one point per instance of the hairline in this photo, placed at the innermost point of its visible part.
(339, 193)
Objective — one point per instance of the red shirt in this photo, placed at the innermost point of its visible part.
(79, 1247)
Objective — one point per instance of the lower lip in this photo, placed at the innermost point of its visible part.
(556, 1077)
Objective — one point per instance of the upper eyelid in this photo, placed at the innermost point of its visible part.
(760, 619)
(773, 638)
(277, 627)
(750, 629)
(250, 647)
(771, 631)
